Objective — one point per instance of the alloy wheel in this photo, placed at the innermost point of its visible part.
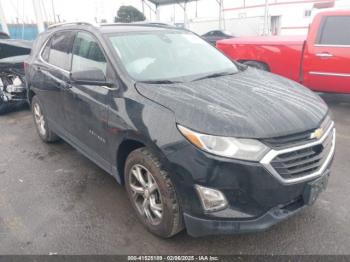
(39, 119)
(146, 194)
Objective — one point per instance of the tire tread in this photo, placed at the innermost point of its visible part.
(175, 209)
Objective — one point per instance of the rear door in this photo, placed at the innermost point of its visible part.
(327, 56)
(51, 75)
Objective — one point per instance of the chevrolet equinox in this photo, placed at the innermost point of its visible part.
(199, 141)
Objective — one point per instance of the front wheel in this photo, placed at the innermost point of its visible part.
(152, 194)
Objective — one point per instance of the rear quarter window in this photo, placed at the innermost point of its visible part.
(46, 51)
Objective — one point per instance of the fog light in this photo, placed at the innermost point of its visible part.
(211, 199)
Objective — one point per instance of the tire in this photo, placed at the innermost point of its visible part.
(164, 216)
(41, 124)
(4, 107)
(257, 65)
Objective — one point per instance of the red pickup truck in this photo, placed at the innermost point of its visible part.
(320, 61)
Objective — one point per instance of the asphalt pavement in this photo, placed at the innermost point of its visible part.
(53, 200)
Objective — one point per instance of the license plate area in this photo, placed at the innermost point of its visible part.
(314, 188)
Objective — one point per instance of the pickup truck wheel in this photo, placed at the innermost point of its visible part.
(257, 65)
(44, 131)
(152, 194)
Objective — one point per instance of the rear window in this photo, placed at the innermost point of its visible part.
(335, 30)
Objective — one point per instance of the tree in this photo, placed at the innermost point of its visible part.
(129, 14)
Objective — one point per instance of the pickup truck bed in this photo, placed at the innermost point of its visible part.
(319, 60)
(264, 49)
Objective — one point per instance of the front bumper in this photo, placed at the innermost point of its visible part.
(198, 227)
(257, 199)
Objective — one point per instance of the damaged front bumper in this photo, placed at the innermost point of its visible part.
(13, 92)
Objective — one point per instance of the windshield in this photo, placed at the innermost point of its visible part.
(171, 56)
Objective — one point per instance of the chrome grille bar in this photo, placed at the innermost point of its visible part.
(272, 154)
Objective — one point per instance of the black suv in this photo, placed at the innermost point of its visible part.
(199, 141)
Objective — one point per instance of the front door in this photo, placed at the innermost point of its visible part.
(327, 59)
(85, 105)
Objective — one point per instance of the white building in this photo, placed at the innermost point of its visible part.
(283, 17)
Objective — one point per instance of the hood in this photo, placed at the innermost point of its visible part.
(12, 47)
(249, 104)
(13, 64)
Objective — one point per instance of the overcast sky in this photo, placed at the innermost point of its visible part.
(87, 10)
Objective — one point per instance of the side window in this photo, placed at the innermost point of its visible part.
(60, 52)
(335, 30)
(87, 54)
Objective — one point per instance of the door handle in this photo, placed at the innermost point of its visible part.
(324, 55)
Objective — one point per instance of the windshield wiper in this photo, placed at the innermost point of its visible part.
(159, 82)
(214, 75)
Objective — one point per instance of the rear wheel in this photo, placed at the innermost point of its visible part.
(257, 65)
(152, 194)
(40, 121)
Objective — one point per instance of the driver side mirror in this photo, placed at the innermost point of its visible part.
(90, 77)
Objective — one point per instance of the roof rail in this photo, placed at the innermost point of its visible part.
(69, 23)
(145, 24)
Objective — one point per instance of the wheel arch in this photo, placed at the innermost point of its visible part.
(30, 95)
(243, 61)
(131, 143)
(124, 149)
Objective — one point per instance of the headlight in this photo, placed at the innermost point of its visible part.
(244, 149)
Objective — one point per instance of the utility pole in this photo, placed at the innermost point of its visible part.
(266, 17)
(143, 6)
(39, 16)
(157, 13)
(3, 20)
(220, 2)
(53, 10)
(185, 14)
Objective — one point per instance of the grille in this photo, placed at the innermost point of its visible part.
(305, 161)
(295, 139)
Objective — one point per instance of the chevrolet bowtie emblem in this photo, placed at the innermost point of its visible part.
(317, 134)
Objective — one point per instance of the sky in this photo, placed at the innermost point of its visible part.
(88, 10)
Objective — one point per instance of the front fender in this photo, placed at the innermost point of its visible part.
(145, 122)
